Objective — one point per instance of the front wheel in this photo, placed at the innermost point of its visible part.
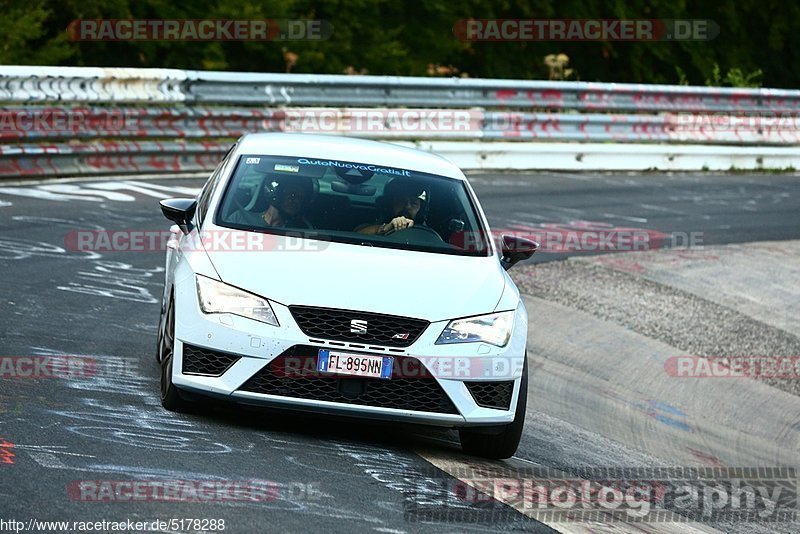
(503, 443)
(170, 396)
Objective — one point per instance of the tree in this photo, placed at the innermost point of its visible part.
(416, 38)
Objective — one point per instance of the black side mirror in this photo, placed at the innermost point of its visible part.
(516, 249)
(180, 211)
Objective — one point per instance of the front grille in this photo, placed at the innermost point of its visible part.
(206, 362)
(293, 374)
(492, 394)
(329, 323)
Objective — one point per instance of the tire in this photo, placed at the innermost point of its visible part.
(170, 396)
(160, 337)
(504, 441)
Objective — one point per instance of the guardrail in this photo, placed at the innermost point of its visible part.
(88, 84)
(41, 123)
(136, 115)
(108, 158)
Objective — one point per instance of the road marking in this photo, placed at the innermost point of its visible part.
(77, 190)
(45, 459)
(141, 188)
(52, 449)
(97, 191)
(42, 194)
(662, 209)
(104, 178)
(625, 217)
(193, 191)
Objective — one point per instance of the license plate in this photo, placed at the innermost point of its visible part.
(343, 363)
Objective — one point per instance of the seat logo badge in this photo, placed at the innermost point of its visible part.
(358, 326)
(401, 335)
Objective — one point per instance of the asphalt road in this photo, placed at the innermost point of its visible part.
(332, 475)
(710, 209)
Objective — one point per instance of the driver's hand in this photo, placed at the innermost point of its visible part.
(272, 217)
(399, 223)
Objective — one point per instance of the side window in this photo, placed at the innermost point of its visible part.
(204, 198)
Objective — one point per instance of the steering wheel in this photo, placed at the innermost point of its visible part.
(242, 206)
(421, 228)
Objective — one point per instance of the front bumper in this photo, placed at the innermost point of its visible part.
(256, 345)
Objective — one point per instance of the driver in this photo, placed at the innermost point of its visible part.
(404, 207)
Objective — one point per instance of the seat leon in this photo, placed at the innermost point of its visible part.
(345, 277)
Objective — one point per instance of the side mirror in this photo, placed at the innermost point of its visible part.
(180, 211)
(516, 249)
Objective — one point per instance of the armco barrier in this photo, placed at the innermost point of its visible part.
(109, 158)
(164, 120)
(129, 158)
(611, 156)
(89, 84)
(46, 122)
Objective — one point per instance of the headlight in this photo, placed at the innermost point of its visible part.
(216, 297)
(494, 328)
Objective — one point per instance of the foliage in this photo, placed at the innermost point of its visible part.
(735, 78)
(757, 43)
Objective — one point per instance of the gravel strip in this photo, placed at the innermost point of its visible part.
(694, 325)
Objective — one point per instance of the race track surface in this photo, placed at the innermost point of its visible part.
(608, 324)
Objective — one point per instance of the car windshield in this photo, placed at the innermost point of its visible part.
(350, 202)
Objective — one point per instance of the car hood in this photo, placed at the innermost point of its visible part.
(423, 285)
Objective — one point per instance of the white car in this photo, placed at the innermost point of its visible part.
(345, 277)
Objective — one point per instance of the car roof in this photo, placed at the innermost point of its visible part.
(347, 149)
